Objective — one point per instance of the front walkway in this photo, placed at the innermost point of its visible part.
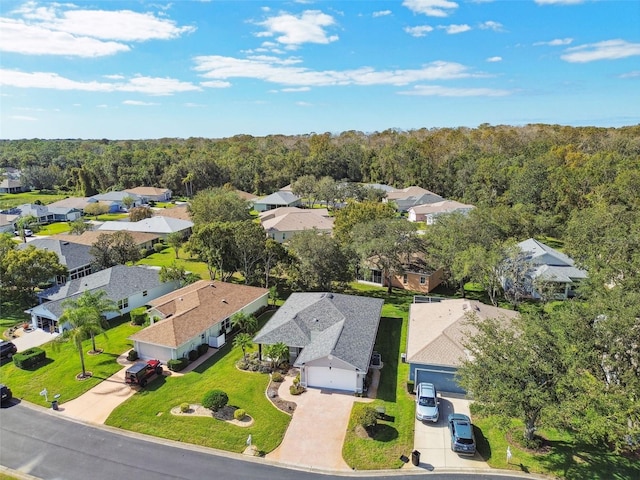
(317, 430)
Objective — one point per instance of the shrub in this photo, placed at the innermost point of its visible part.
(158, 247)
(132, 355)
(277, 377)
(138, 315)
(215, 400)
(177, 365)
(185, 407)
(296, 389)
(193, 355)
(242, 365)
(29, 358)
(202, 349)
(239, 414)
(144, 252)
(296, 381)
(366, 417)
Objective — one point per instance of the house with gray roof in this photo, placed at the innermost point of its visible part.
(8, 222)
(128, 287)
(436, 335)
(281, 198)
(551, 268)
(406, 198)
(330, 337)
(162, 226)
(12, 185)
(76, 257)
(115, 200)
(429, 212)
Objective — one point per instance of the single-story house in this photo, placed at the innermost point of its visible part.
(8, 222)
(180, 212)
(428, 212)
(142, 240)
(435, 338)
(411, 196)
(12, 185)
(75, 256)
(157, 224)
(196, 314)
(283, 223)
(552, 267)
(416, 276)
(115, 200)
(128, 287)
(40, 212)
(79, 203)
(330, 337)
(151, 193)
(249, 197)
(278, 199)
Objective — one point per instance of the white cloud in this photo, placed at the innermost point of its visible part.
(115, 77)
(491, 25)
(53, 81)
(419, 31)
(494, 59)
(381, 13)
(223, 68)
(633, 74)
(453, 29)
(63, 29)
(557, 42)
(216, 84)
(296, 89)
(559, 2)
(440, 91)
(304, 104)
(138, 103)
(292, 30)
(606, 50)
(23, 118)
(432, 8)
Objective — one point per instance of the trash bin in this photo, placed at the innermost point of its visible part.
(415, 457)
(54, 404)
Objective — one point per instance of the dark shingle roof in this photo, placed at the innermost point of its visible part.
(72, 255)
(344, 326)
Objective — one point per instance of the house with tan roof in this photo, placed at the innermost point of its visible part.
(436, 336)
(197, 314)
(283, 223)
(429, 212)
(181, 212)
(8, 222)
(406, 198)
(151, 193)
(142, 240)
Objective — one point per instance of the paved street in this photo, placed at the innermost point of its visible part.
(46, 445)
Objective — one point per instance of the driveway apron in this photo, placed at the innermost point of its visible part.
(317, 430)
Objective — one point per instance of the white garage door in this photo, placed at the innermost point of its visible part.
(334, 378)
(146, 352)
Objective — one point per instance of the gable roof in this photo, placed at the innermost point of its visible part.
(91, 236)
(71, 202)
(144, 191)
(7, 219)
(412, 191)
(155, 224)
(193, 309)
(180, 212)
(297, 221)
(115, 196)
(276, 212)
(344, 326)
(72, 255)
(118, 282)
(443, 206)
(551, 265)
(280, 197)
(437, 330)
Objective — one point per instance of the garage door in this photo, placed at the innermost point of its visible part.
(333, 378)
(146, 352)
(443, 380)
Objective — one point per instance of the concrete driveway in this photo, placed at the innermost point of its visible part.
(317, 430)
(433, 442)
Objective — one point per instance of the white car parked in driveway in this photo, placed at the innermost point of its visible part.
(427, 403)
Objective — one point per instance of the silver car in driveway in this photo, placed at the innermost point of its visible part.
(427, 403)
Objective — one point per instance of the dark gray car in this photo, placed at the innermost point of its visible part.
(462, 439)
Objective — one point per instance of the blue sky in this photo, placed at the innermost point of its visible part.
(149, 69)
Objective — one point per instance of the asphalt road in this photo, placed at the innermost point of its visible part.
(48, 446)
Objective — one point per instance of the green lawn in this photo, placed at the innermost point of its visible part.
(166, 258)
(564, 457)
(57, 375)
(149, 411)
(9, 200)
(53, 228)
(11, 314)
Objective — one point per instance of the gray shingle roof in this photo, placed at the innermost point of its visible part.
(344, 326)
(118, 282)
(72, 255)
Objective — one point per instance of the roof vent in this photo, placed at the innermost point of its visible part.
(180, 298)
(224, 300)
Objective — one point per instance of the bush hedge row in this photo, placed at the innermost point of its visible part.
(29, 358)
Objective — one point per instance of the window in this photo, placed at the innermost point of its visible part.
(423, 280)
(145, 293)
(226, 324)
(405, 279)
(122, 304)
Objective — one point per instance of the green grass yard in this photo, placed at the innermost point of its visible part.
(53, 229)
(10, 200)
(167, 257)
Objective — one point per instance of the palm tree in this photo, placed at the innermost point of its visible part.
(244, 341)
(81, 329)
(25, 223)
(245, 323)
(277, 353)
(98, 303)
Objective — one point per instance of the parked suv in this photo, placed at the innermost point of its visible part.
(427, 403)
(7, 349)
(462, 439)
